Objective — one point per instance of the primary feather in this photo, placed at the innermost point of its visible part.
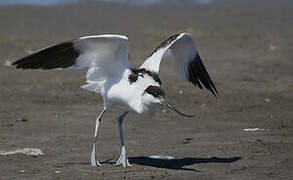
(105, 56)
(186, 62)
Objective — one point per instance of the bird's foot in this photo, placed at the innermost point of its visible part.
(94, 161)
(123, 160)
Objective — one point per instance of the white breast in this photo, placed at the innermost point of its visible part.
(128, 97)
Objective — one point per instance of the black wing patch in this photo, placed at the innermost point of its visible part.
(165, 43)
(198, 75)
(61, 55)
(133, 77)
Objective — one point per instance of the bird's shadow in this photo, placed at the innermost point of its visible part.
(176, 164)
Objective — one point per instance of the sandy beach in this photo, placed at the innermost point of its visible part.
(247, 48)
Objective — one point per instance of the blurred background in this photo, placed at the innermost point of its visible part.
(246, 46)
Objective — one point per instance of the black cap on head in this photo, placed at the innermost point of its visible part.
(155, 91)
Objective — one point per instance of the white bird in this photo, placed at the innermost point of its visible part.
(122, 87)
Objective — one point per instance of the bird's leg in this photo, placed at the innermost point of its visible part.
(123, 157)
(94, 161)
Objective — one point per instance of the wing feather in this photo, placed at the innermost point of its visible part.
(60, 55)
(186, 62)
(105, 57)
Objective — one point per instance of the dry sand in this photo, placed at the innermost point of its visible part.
(247, 47)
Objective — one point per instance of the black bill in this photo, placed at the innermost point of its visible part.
(170, 106)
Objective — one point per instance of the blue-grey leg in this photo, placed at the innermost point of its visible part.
(94, 161)
(123, 157)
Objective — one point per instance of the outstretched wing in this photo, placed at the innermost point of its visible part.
(105, 56)
(186, 62)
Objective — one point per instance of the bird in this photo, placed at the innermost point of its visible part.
(124, 88)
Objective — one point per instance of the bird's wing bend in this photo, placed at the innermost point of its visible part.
(105, 56)
(186, 62)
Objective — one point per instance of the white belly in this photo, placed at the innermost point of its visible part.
(129, 99)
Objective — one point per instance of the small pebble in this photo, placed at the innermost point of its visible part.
(272, 47)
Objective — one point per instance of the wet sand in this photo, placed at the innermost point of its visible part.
(247, 48)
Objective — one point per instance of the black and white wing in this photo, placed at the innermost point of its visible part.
(186, 62)
(105, 56)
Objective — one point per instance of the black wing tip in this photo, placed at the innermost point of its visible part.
(16, 63)
(198, 75)
(60, 55)
(215, 92)
(19, 64)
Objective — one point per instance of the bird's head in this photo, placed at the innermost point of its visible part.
(155, 95)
